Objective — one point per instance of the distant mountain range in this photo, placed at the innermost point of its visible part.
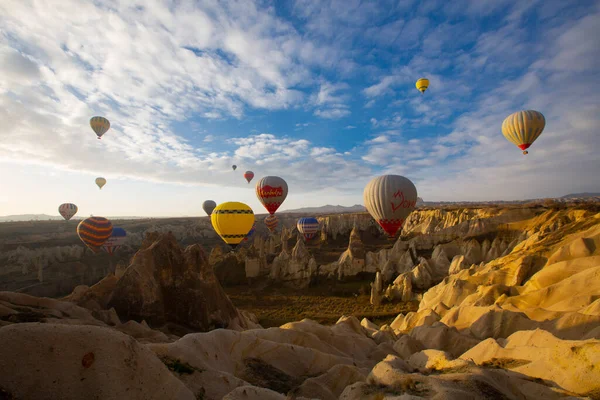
(327, 209)
(46, 217)
(580, 195)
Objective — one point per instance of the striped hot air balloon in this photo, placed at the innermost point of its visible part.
(271, 221)
(115, 241)
(94, 232)
(523, 128)
(308, 227)
(99, 125)
(67, 210)
(232, 221)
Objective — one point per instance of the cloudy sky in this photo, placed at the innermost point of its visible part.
(318, 92)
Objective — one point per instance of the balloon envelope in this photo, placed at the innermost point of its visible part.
(99, 125)
(271, 191)
(251, 232)
(308, 227)
(232, 221)
(208, 206)
(67, 210)
(422, 84)
(234, 167)
(523, 128)
(271, 221)
(116, 240)
(100, 182)
(390, 199)
(249, 175)
(94, 232)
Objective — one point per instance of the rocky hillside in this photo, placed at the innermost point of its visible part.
(523, 323)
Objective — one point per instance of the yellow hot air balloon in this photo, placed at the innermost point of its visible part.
(523, 127)
(100, 125)
(232, 221)
(422, 84)
(100, 182)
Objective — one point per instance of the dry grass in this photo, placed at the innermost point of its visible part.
(277, 306)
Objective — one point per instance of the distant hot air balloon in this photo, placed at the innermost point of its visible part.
(249, 175)
(208, 206)
(100, 125)
(116, 240)
(308, 227)
(271, 221)
(523, 127)
(422, 84)
(251, 232)
(100, 182)
(271, 191)
(390, 199)
(67, 210)
(234, 167)
(94, 232)
(232, 221)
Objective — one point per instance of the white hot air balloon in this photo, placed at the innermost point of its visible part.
(390, 199)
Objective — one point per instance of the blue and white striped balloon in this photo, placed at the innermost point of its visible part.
(308, 227)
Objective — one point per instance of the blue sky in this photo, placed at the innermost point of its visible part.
(320, 93)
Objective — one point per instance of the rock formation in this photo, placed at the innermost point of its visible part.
(523, 324)
(165, 284)
(295, 268)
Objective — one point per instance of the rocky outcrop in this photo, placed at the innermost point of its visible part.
(352, 261)
(165, 284)
(42, 361)
(295, 268)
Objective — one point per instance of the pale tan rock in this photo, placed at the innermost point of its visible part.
(441, 337)
(406, 346)
(330, 385)
(536, 353)
(46, 361)
(405, 323)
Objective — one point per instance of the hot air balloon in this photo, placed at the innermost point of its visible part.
(251, 232)
(208, 206)
(422, 84)
(100, 125)
(100, 182)
(234, 167)
(308, 227)
(249, 175)
(271, 221)
(523, 127)
(390, 199)
(116, 240)
(271, 191)
(232, 221)
(94, 232)
(67, 210)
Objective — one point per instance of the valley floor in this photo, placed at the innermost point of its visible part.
(277, 306)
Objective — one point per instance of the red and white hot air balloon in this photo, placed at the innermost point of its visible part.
(271, 191)
(390, 199)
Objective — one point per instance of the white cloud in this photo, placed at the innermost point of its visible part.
(330, 100)
(332, 113)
